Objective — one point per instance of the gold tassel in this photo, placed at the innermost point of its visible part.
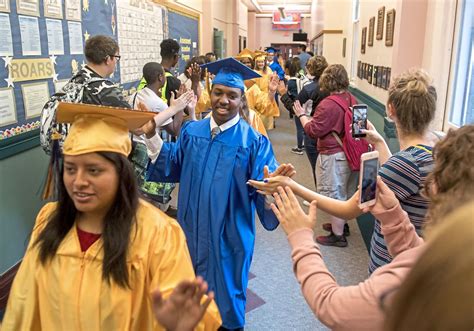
(52, 177)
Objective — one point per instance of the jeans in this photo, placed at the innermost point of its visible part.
(312, 153)
(299, 132)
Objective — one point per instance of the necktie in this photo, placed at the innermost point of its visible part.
(215, 131)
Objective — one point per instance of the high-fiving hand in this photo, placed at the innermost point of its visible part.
(289, 212)
(184, 308)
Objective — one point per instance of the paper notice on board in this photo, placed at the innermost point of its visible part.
(35, 95)
(6, 43)
(75, 37)
(55, 37)
(30, 36)
(7, 107)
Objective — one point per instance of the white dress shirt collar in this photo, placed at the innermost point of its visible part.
(227, 125)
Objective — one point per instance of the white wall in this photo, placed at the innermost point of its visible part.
(265, 35)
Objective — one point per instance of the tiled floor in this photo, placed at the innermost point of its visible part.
(275, 300)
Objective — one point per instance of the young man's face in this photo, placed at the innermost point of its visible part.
(270, 57)
(225, 102)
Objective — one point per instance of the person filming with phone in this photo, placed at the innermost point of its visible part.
(411, 105)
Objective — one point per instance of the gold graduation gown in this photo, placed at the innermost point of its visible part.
(263, 84)
(68, 293)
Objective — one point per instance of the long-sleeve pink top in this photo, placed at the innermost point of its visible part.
(355, 307)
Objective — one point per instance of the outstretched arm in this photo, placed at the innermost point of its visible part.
(344, 209)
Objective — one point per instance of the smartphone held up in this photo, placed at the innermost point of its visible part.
(359, 120)
(369, 168)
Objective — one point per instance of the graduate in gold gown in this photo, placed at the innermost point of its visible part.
(96, 255)
(264, 83)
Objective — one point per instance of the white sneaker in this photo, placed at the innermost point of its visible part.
(306, 203)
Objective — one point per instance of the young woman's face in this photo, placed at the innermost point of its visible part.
(260, 64)
(91, 182)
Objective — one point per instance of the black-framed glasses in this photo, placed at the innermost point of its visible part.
(118, 57)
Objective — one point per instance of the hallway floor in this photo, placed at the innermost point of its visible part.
(274, 299)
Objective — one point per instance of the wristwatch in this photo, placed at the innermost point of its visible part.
(299, 116)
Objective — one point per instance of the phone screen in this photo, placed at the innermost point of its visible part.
(359, 120)
(369, 179)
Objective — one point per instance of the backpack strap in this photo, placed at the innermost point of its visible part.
(344, 108)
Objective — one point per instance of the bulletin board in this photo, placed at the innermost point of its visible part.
(41, 47)
(184, 28)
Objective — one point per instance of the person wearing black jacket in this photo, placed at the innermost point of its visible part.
(309, 97)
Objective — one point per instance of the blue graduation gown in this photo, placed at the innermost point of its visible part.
(216, 208)
(275, 66)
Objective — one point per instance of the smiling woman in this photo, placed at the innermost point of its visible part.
(99, 250)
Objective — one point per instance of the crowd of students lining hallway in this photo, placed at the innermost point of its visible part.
(104, 255)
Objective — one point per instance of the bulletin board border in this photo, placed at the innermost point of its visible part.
(19, 143)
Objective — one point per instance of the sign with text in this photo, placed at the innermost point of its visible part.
(31, 69)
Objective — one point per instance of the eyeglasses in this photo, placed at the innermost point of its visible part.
(118, 57)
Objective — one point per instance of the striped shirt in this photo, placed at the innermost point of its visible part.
(405, 174)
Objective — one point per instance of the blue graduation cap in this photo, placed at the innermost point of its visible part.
(230, 72)
(271, 50)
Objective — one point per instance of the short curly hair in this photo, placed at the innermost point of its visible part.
(99, 47)
(169, 48)
(414, 98)
(334, 78)
(316, 65)
(451, 183)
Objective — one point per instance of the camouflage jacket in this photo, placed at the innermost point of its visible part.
(102, 92)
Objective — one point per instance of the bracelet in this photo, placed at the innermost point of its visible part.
(299, 116)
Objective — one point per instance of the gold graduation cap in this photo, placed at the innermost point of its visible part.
(260, 55)
(99, 128)
(246, 53)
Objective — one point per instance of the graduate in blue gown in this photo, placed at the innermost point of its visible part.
(216, 207)
(273, 64)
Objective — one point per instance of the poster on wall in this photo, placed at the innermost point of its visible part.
(30, 36)
(184, 29)
(35, 95)
(389, 29)
(6, 43)
(53, 8)
(140, 26)
(75, 37)
(363, 40)
(7, 107)
(73, 9)
(55, 37)
(28, 7)
(5, 6)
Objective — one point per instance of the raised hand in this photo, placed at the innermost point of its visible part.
(289, 212)
(282, 88)
(195, 73)
(371, 134)
(385, 199)
(273, 84)
(284, 169)
(181, 102)
(297, 108)
(184, 308)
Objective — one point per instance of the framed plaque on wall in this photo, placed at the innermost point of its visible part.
(363, 40)
(389, 29)
(370, 42)
(380, 21)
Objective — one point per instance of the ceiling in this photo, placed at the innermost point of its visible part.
(269, 6)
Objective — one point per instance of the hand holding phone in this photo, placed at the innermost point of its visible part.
(369, 168)
(359, 120)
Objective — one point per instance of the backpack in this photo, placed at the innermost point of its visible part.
(353, 148)
(301, 82)
(71, 92)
